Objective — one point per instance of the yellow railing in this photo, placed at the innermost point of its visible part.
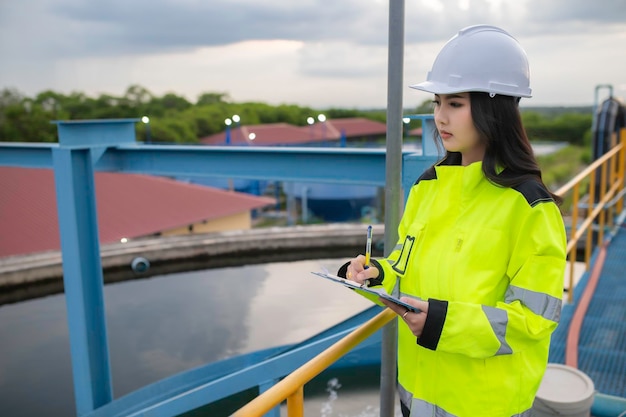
(599, 204)
(611, 166)
(291, 388)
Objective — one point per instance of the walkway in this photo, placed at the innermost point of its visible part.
(602, 343)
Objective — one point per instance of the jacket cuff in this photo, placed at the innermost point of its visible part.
(374, 281)
(343, 269)
(436, 317)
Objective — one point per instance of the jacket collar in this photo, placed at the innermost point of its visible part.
(469, 176)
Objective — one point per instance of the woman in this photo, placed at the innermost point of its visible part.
(481, 248)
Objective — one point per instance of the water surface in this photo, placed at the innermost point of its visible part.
(163, 325)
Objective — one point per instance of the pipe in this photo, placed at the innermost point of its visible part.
(608, 406)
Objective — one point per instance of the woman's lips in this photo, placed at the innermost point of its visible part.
(445, 135)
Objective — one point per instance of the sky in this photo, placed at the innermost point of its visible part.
(317, 53)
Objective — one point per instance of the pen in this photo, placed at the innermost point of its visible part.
(368, 252)
(368, 246)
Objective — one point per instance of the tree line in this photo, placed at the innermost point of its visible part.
(174, 119)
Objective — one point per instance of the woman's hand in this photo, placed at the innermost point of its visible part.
(358, 272)
(415, 321)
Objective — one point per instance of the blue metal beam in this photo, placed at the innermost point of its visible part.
(227, 384)
(96, 133)
(82, 278)
(345, 165)
(413, 165)
(27, 155)
(336, 165)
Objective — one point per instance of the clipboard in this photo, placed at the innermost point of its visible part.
(380, 292)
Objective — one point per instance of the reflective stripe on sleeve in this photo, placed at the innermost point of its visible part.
(405, 396)
(421, 408)
(498, 320)
(539, 303)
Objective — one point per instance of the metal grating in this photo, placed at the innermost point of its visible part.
(602, 344)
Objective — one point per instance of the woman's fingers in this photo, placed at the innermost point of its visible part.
(414, 320)
(358, 272)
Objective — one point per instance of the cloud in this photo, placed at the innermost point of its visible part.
(310, 52)
(342, 59)
(72, 28)
(142, 26)
(568, 14)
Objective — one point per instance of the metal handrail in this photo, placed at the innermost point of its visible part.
(612, 175)
(612, 165)
(291, 388)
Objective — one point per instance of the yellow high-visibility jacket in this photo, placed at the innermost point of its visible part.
(490, 260)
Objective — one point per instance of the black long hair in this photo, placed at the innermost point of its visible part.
(499, 123)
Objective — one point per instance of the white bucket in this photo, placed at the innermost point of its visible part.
(564, 391)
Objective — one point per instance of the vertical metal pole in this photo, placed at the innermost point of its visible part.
(305, 204)
(81, 144)
(228, 140)
(393, 190)
(290, 190)
(82, 277)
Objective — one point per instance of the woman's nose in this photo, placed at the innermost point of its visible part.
(440, 117)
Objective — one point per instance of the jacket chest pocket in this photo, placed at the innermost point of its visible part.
(409, 246)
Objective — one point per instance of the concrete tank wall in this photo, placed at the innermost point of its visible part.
(36, 275)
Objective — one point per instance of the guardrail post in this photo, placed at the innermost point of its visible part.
(295, 403)
(274, 412)
(621, 170)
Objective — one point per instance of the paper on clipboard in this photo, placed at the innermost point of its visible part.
(380, 292)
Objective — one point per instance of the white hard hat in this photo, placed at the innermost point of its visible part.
(480, 58)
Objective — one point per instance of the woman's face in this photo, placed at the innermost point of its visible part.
(453, 117)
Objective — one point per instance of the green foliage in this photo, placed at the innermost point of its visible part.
(212, 98)
(559, 167)
(22, 117)
(425, 107)
(171, 102)
(573, 128)
(174, 119)
(172, 130)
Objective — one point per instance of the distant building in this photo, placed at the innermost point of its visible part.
(129, 206)
(330, 132)
(328, 202)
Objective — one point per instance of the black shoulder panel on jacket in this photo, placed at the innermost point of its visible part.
(452, 158)
(534, 192)
(429, 174)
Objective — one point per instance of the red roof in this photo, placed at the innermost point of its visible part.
(272, 134)
(128, 205)
(264, 135)
(359, 127)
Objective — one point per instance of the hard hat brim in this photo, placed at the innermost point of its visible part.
(441, 88)
(436, 88)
